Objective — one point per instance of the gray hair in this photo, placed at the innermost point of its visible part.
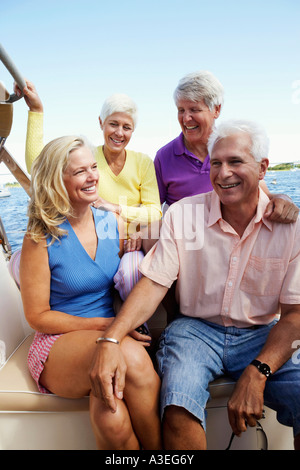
(259, 139)
(119, 103)
(198, 86)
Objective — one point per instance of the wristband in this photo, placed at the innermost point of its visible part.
(109, 340)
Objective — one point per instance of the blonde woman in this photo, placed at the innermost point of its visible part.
(70, 255)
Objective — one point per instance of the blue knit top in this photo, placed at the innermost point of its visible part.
(80, 285)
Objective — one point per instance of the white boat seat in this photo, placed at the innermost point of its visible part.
(18, 390)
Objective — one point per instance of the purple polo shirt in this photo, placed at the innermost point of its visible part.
(179, 173)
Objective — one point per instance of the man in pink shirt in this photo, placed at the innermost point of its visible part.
(235, 271)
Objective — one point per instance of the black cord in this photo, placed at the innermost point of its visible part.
(260, 429)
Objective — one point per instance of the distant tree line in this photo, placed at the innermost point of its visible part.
(284, 166)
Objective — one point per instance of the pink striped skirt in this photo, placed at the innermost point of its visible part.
(38, 355)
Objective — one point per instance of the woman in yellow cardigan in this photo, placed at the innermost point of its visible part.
(128, 180)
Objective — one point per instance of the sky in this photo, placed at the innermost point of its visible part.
(79, 52)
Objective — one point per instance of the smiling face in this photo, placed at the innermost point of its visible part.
(117, 131)
(81, 177)
(196, 120)
(235, 174)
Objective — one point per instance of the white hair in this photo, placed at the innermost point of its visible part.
(119, 103)
(259, 139)
(198, 86)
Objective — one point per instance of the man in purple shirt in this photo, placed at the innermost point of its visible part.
(180, 173)
(182, 166)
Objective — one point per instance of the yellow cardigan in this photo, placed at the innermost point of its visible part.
(134, 188)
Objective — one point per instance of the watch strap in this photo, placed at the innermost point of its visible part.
(262, 367)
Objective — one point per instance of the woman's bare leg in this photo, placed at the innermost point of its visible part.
(141, 394)
(66, 374)
(119, 434)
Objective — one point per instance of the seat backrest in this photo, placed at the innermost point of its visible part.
(13, 326)
(6, 112)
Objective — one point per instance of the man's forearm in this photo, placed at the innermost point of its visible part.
(138, 308)
(246, 402)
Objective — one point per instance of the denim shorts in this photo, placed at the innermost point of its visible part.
(194, 352)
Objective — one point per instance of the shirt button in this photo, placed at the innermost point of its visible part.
(234, 259)
(230, 284)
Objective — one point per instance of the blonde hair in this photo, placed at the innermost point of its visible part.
(49, 205)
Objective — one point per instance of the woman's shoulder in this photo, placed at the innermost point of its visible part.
(140, 156)
(139, 160)
(34, 248)
(99, 157)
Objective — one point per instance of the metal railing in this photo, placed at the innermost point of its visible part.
(6, 118)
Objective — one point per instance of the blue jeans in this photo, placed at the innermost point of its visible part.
(194, 352)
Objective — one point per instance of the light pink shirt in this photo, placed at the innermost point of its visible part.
(223, 278)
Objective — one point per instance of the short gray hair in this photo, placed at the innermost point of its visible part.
(119, 103)
(198, 86)
(260, 141)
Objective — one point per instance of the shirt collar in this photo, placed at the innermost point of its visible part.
(263, 201)
(179, 147)
(215, 213)
(180, 150)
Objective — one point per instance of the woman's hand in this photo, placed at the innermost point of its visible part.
(101, 203)
(142, 337)
(134, 242)
(31, 97)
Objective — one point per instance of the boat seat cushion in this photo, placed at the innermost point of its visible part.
(18, 391)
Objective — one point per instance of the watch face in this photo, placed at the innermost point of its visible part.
(264, 369)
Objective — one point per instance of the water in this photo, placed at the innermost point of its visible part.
(287, 182)
(13, 209)
(13, 212)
